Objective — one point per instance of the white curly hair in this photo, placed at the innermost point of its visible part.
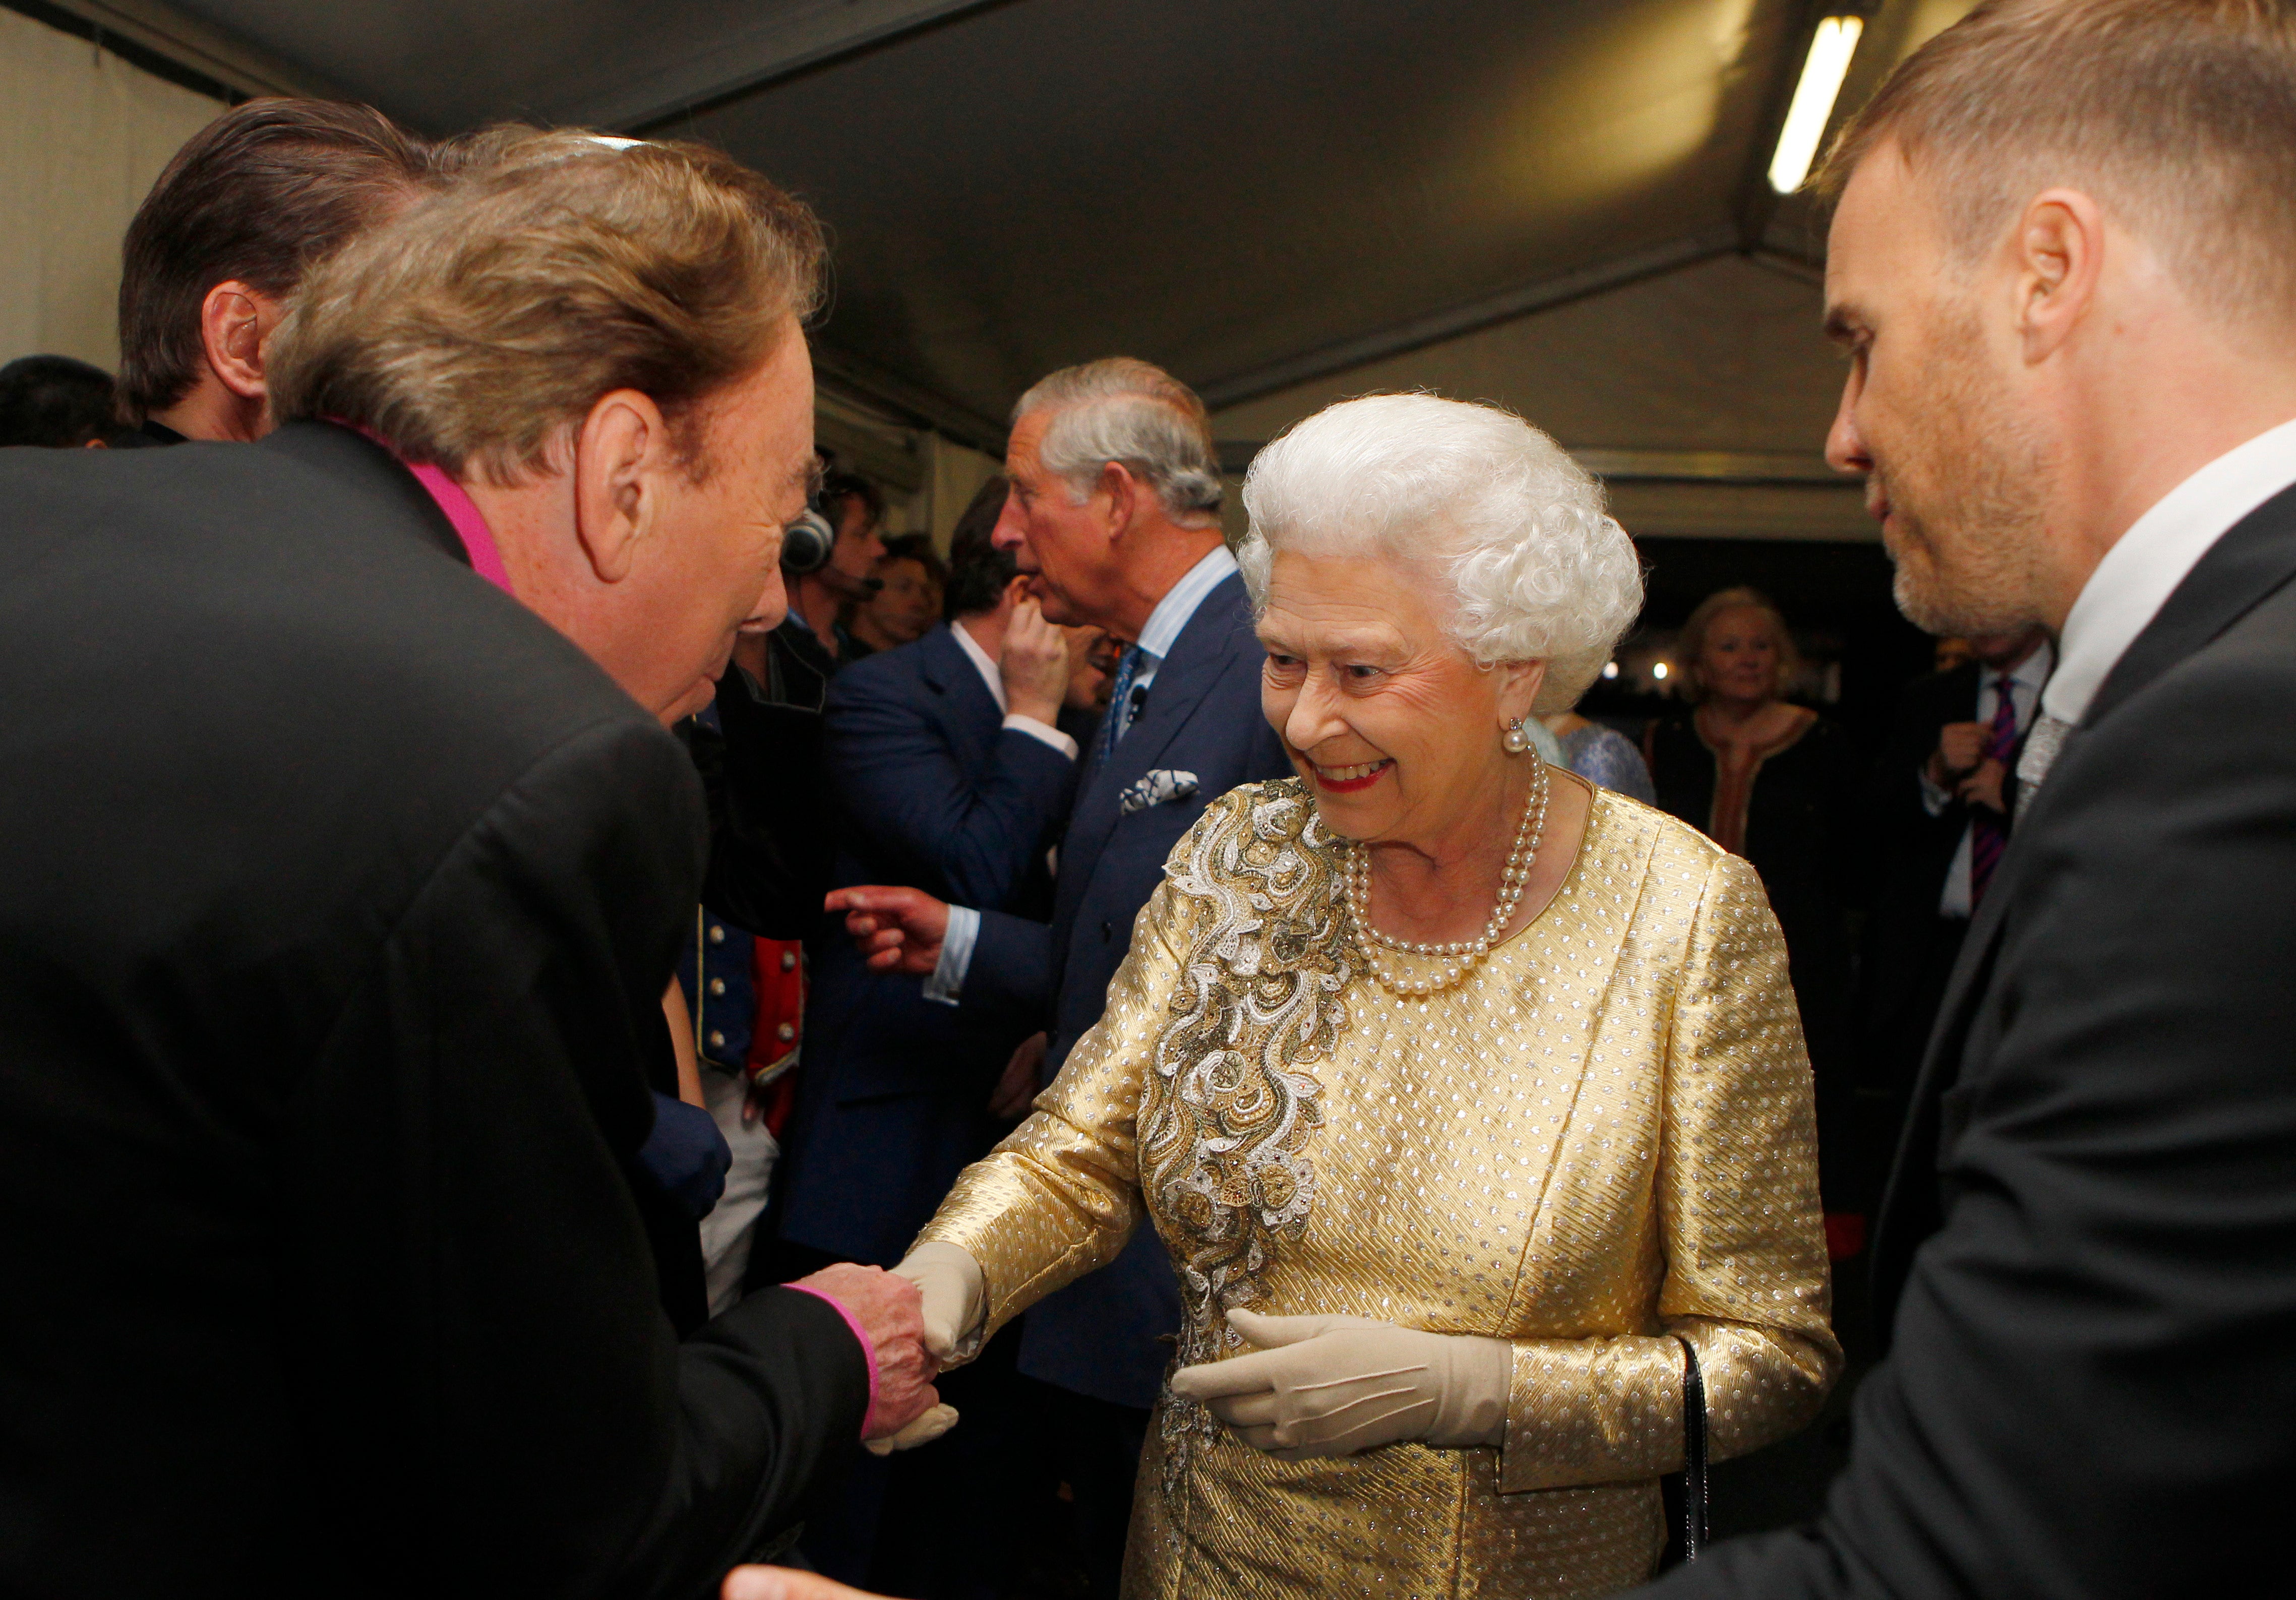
(1473, 497)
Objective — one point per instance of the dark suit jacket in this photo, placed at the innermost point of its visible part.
(1100, 1336)
(339, 895)
(930, 789)
(2088, 1259)
(761, 768)
(1915, 850)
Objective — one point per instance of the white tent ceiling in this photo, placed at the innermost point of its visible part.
(1557, 205)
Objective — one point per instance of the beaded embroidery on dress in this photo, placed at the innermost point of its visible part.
(1231, 1107)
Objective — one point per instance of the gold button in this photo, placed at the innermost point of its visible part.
(786, 1033)
(788, 959)
(717, 1039)
(717, 934)
(716, 986)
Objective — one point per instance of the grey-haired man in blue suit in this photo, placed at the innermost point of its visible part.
(1114, 513)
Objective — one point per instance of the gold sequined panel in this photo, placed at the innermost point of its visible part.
(1601, 1138)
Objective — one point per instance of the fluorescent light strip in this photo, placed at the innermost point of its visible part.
(1830, 51)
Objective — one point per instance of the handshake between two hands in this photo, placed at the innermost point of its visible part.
(912, 1319)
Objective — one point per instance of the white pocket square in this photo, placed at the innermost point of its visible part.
(1158, 788)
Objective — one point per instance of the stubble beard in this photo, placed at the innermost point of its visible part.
(1967, 491)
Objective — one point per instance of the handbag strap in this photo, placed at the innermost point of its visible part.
(1693, 1453)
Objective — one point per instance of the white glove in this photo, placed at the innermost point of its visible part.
(1336, 1385)
(936, 1420)
(950, 1283)
(956, 1300)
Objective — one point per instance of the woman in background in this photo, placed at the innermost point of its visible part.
(1777, 784)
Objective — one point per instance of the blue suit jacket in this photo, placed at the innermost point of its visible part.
(930, 789)
(1104, 1335)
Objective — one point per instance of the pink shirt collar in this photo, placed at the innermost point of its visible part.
(470, 525)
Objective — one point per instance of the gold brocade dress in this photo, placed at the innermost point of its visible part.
(1602, 1138)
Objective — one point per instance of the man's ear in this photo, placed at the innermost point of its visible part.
(1124, 492)
(235, 323)
(620, 452)
(2058, 256)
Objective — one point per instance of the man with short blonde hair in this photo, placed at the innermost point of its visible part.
(2061, 264)
(348, 862)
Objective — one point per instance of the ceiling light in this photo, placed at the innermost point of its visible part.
(1822, 72)
(1658, 669)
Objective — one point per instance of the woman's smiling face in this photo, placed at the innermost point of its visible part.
(1393, 726)
(1738, 659)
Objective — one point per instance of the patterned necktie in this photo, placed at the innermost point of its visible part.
(2040, 753)
(1988, 830)
(1120, 700)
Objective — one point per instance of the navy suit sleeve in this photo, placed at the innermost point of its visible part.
(1011, 970)
(969, 836)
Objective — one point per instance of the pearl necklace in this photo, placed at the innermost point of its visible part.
(1461, 956)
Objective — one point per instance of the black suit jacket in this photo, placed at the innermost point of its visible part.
(931, 790)
(1914, 850)
(1915, 853)
(2088, 1259)
(340, 894)
(770, 831)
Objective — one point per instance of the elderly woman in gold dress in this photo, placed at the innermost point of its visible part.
(1460, 1091)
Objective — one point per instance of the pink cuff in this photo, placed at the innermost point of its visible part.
(868, 1350)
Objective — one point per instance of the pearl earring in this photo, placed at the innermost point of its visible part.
(1516, 739)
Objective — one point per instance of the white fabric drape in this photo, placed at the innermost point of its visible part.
(82, 136)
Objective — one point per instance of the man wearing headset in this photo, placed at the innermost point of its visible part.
(757, 745)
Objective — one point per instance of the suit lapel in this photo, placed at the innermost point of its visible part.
(1204, 649)
(948, 673)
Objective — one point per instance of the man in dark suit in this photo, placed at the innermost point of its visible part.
(2064, 264)
(348, 859)
(1114, 513)
(1941, 805)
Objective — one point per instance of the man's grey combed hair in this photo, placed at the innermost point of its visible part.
(1475, 497)
(1127, 410)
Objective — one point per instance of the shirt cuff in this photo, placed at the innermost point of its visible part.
(1051, 735)
(946, 984)
(1934, 799)
(868, 1350)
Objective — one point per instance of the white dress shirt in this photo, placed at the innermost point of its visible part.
(2025, 681)
(1160, 632)
(1173, 613)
